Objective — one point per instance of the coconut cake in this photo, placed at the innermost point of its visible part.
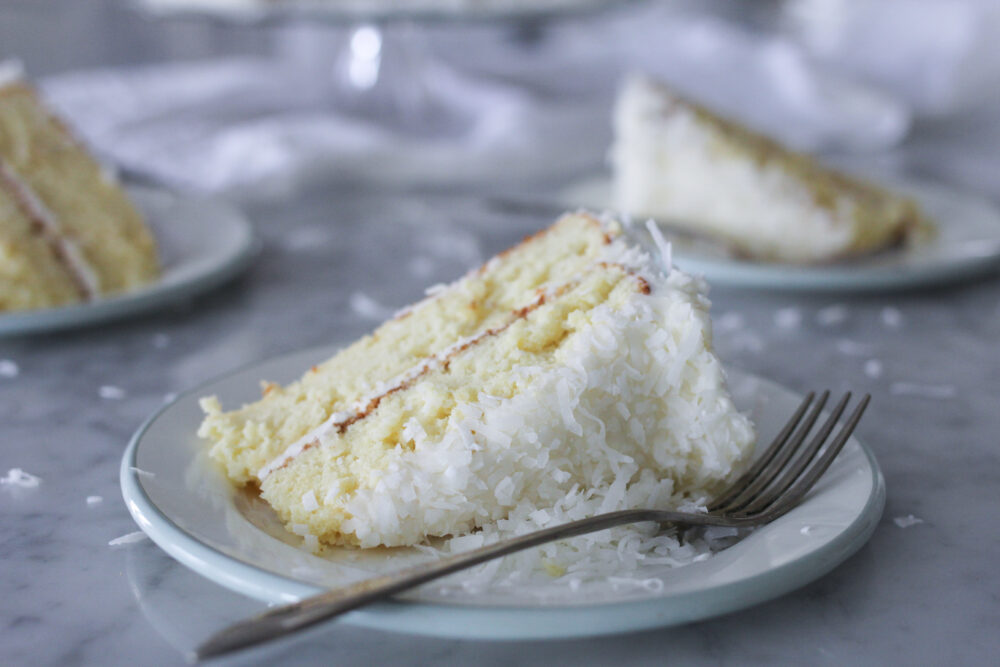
(68, 232)
(572, 373)
(678, 162)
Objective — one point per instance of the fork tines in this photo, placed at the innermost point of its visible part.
(788, 468)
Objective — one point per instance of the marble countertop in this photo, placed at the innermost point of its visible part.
(924, 590)
(69, 402)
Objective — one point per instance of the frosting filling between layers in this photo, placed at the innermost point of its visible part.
(66, 250)
(365, 404)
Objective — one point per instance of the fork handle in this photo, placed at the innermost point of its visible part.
(293, 617)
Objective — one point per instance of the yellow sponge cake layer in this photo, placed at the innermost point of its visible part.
(60, 182)
(31, 275)
(247, 438)
(598, 392)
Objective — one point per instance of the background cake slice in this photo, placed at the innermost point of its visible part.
(591, 386)
(678, 162)
(68, 232)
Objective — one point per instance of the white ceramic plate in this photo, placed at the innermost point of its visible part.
(203, 242)
(185, 505)
(967, 246)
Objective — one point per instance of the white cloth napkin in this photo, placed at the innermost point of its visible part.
(265, 127)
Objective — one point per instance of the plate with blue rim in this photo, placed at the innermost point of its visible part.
(187, 507)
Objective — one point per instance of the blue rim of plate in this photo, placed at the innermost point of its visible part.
(151, 297)
(492, 622)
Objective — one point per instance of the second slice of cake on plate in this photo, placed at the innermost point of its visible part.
(68, 232)
(678, 162)
(570, 375)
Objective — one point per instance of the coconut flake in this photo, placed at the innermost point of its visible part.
(309, 501)
(17, 478)
(892, 317)
(128, 538)
(788, 318)
(664, 248)
(907, 521)
(8, 369)
(730, 322)
(94, 500)
(832, 315)
(111, 393)
(367, 307)
(873, 369)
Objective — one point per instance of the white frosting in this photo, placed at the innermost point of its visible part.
(65, 247)
(671, 165)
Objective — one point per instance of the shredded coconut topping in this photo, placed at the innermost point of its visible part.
(8, 369)
(18, 478)
(128, 538)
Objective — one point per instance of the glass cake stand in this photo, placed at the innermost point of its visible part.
(371, 58)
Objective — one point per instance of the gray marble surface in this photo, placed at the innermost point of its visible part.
(924, 594)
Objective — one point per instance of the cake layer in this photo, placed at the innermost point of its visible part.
(245, 440)
(31, 274)
(680, 163)
(64, 185)
(602, 387)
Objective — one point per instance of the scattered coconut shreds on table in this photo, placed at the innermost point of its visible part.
(788, 318)
(831, 315)
(935, 391)
(94, 500)
(111, 393)
(128, 538)
(892, 317)
(17, 478)
(907, 521)
(8, 369)
(367, 307)
(873, 369)
(729, 322)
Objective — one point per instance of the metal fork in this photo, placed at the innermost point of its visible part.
(774, 484)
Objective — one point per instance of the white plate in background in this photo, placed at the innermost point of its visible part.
(203, 242)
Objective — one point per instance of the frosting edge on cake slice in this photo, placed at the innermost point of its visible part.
(676, 161)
